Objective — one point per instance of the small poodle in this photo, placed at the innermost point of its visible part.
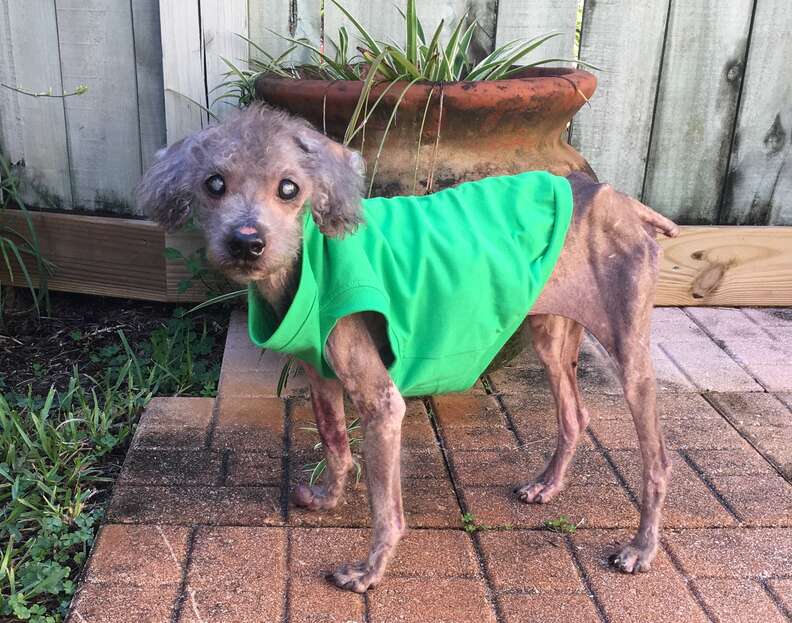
(386, 298)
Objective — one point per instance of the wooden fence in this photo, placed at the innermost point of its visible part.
(693, 110)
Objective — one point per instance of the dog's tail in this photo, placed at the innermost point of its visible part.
(658, 221)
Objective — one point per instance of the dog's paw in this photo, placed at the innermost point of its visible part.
(633, 558)
(313, 497)
(357, 577)
(538, 492)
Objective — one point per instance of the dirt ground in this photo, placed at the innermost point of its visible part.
(43, 351)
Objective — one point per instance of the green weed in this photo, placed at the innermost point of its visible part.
(562, 525)
(315, 470)
(59, 452)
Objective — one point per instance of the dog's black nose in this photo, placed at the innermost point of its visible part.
(245, 244)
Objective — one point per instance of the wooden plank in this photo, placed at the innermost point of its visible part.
(523, 20)
(759, 185)
(296, 19)
(705, 265)
(614, 131)
(34, 129)
(148, 69)
(731, 266)
(98, 255)
(10, 127)
(222, 22)
(97, 49)
(182, 68)
(696, 108)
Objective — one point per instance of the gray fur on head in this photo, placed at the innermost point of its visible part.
(247, 147)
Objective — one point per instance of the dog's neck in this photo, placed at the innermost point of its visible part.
(279, 288)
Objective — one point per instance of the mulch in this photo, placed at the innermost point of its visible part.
(43, 351)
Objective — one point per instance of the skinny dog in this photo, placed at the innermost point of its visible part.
(252, 181)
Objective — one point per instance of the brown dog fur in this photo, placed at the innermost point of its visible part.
(604, 282)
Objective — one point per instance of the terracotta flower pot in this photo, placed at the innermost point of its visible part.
(471, 130)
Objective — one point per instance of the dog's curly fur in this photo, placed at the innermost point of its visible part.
(604, 281)
(245, 145)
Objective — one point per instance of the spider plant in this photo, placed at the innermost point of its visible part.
(15, 245)
(315, 470)
(420, 58)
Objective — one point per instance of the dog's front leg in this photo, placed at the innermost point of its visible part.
(327, 400)
(356, 362)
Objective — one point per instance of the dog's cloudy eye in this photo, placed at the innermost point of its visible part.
(287, 189)
(215, 185)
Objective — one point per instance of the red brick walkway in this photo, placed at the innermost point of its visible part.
(199, 528)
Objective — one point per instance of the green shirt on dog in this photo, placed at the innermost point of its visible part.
(453, 273)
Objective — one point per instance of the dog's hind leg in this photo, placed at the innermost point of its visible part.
(633, 357)
(327, 401)
(557, 343)
(605, 279)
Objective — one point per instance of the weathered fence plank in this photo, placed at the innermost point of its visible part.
(759, 184)
(625, 39)
(222, 22)
(148, 67)
(182, 68)
(143, 60)
(97, 48)
(33, 130)
(696, 107)
(523, 20)
(272, 20)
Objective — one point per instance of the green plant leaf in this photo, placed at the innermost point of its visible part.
(173, 254)
(411, 48)
(367, 38)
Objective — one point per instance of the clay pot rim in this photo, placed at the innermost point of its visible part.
(534, 81)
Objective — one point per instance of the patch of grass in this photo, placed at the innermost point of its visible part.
(562, 525)
(59, 453)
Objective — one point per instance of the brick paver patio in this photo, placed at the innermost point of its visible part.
(199, 528)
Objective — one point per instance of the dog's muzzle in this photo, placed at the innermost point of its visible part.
(246, 244)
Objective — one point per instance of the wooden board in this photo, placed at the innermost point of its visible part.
(625, 39)
(222, 22)
(182, 68)
(696, 107)
(523, 20)
(148, 65)
(97, 49)
(98, 255)
(34, 129)
(759, 184)
(729, 266)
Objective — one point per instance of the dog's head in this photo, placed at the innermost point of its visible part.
(248, 181)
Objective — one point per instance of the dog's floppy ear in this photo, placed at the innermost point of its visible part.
(338, 174)
(165, 193)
